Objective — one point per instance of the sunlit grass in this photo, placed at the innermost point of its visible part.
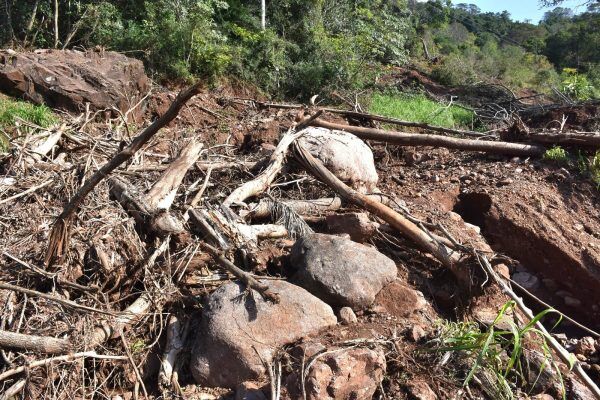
(418, 108)
(11, 111)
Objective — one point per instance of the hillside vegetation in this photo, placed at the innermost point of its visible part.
(317, 46)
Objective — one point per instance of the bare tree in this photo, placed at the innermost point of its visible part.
(55, 24)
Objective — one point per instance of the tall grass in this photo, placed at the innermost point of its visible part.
(418, 108)
(11, 111)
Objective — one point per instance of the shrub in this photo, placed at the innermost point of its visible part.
(556, 154)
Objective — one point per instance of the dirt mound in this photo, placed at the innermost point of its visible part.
(70, 79)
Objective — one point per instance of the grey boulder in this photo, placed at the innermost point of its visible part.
(340, 271)
(240, 332)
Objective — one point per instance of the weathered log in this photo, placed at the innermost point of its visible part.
(39, 344)
(59, 236)
(567, 138)
(162, 193)
(418, 139)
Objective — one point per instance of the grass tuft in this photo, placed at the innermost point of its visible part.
(496, 352)
(418, 108)
(557, 154)
(13, 110)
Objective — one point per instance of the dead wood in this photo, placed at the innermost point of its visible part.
(39, 344)
(567, 139)
(445, 255)
(162, 194)
(306, 207)
(417, 139)
(64, 302)
(239, 273)
(176, 335)
(375, 117)
(40, 148)
(264, 180)
(59, 236)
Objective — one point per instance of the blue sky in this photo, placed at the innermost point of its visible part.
(521, 9)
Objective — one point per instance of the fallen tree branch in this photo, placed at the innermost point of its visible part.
(59, 236)
(375, 117)
(26, 192)
(53, 360)
(567, 138)
(39, 344)
(64, 302)
(242, 275)
(417, 139)
(174, 345)
(264, 180)
(445, 255)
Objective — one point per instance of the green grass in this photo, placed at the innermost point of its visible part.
(13, 110)
(496, 351)
(557, 154)
(418, 108)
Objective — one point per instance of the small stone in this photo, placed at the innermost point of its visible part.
(505, 182)
(586, 346)
(572, 302)
(417, 333)
(474, 228)
(518, 170)
(550, 284)
(578, 227)
(527, 280)
(420, 391)
(347, 316)
(249, 391)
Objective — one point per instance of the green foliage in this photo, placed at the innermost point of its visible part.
(418, 108)
(497, 351)
(12, 111)
(578, 86)
(556, 154)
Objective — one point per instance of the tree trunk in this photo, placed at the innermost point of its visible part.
(55, 24)
(263, 14)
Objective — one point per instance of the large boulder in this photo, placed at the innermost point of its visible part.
(339, 271)
(68, 79)
(240, 332)
(345, 155)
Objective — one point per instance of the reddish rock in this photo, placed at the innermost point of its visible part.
(586, 346)
(357, 225)
(68, 79)
(400, 300)
(347, 316)
(420, 390)
(352, 373)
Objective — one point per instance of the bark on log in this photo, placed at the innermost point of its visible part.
(418, 139)
(568, 139)
(59, 236)
(445, 255)
(39, 344)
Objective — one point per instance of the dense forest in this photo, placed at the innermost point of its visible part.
(309, 47)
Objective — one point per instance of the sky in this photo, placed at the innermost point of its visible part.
(521, 10)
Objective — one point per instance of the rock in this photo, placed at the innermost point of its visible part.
(357, 225)
(345, 155)
(528, 281)
(347, 316)
(586, 346)
(502, 270)
(249, 391)
(339, 271)
(420, 390)
(416, 333)
(68, 79)
(400, 300)
(239, 332)
(572, 301)
(578, 391)
(352, 373)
